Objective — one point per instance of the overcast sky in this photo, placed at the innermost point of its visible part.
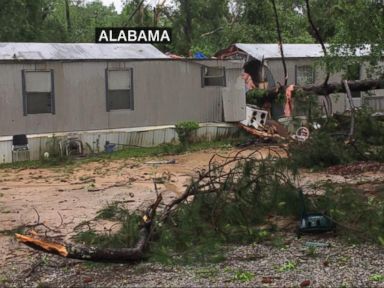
(119, 3)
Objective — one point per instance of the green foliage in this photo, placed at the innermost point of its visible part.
(54, 150)
(359, 217)
(288, 266)
(311, 251)
(199, 25)
(256, 97)
(185, 131)
(127, 235)
(327, 146)
(319, 151)
(243, 276)
(113, 211)
(377, 277)
(197, 230)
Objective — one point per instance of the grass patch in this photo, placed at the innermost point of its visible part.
(377, 277)
(207, 273)
(243, 276)
(288, 266)
(131, 152)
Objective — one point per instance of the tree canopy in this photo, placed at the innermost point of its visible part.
(199, 25)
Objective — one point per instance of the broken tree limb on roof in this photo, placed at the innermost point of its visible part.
(354, 85)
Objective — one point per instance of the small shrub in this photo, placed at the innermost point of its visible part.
(377, 277)
(185, 131)
(53, 153)
(288, 266)
(243, 276)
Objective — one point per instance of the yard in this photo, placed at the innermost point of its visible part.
(66, 200)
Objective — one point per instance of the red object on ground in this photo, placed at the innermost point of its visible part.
(305, 283)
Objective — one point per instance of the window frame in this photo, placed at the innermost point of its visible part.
(25, 92)
(131, 94)
(313, 73)
(203, 77)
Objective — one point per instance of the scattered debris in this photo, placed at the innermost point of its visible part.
(305, 283)
(316, 244)
(172, 161)
(356, 168)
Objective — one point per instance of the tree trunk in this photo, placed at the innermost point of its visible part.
(68, 17)
(89, 253)
(355, 85)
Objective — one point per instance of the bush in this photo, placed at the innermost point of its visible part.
(328, 146)
(185, 131)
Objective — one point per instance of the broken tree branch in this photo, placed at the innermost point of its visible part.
(211, 32)
(135, 11)
(220, 172)
(349, 96)
(354, 85)
(95, 253)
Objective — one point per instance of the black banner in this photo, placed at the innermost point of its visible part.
(133, 35)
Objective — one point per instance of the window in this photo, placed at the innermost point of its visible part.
(38, 92)
(304, 75)
(212, 76)
(119, 89)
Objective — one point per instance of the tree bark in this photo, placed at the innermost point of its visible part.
(354, 85)
(280, 42)
(318, 38)
(68, 17)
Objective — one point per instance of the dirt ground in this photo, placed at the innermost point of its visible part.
(64, 197)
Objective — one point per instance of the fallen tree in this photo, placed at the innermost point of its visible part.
(99, 254)
(240, 181)
(329, 88)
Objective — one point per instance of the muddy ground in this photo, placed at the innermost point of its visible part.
(64, 197)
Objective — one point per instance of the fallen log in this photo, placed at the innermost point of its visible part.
(354, 85)
(89, 253)
(95, 253)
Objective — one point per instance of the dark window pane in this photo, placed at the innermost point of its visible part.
(39, 102)
(119, 99)
(213, 76)
(214, 71)
(216, 81)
